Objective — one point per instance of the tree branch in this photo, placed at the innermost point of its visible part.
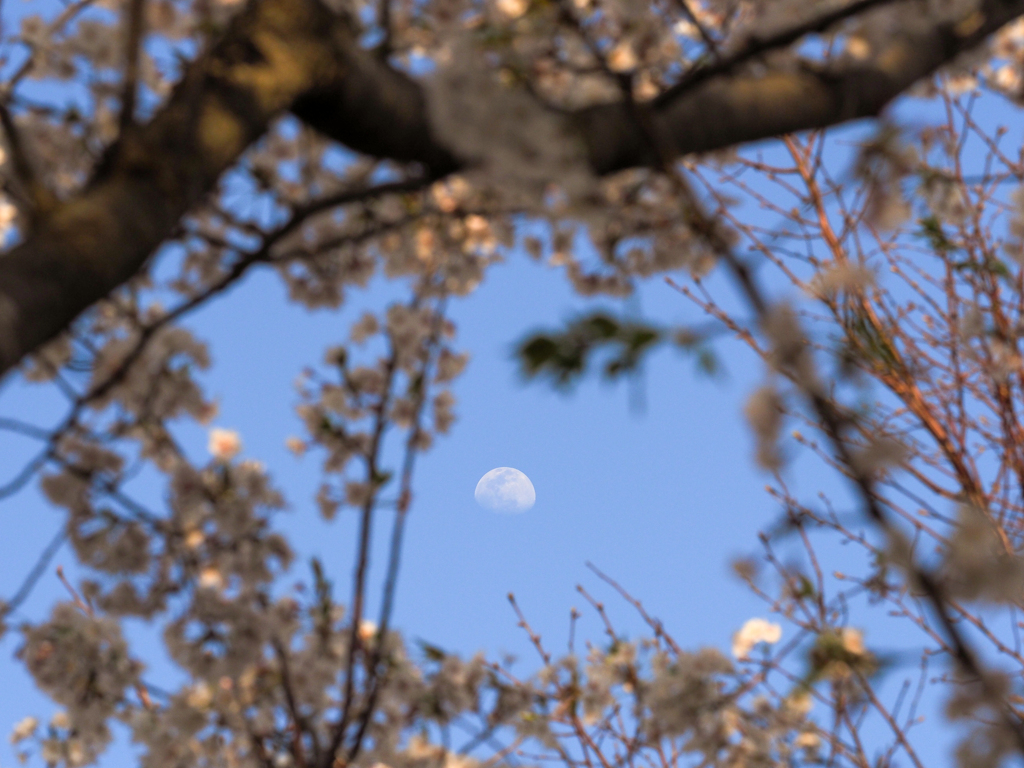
(721, 107)
(296, 54)
(133, 54)
(84, 248)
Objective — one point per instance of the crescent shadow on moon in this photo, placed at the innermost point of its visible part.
(505, 489)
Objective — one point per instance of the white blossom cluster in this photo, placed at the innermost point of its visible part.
(275, 679)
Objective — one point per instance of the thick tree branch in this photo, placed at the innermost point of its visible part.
(295, 54)
(730, 108)
(84, 248)
(378, 111)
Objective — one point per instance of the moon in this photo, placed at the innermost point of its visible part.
(505, 489)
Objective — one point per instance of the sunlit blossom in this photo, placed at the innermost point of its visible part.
(622, 58)
(513, 9)
(754, 631)
(367, 630)
(23, 729)
(211, 578)
(8, 214)
(853, 641)
(807, 740)
(224, 444)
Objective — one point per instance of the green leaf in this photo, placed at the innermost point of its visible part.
(707, 362)
(432, 652)
(564, 356)
(865, 342)
(323, 589)
(804, 589)
(931, 230)
(991, 266)
(382, 478)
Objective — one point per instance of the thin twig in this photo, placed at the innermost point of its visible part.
(30, 581)
(833, 423)
(363, 558)
(796, 364)
(757, 46)
(653, 623)
(29, 430)
(709, 41)
(301, 726)
(84, 606)
(133, 53)
(525, 626)
(397, 534)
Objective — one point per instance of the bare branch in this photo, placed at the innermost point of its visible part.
(38, 198)
(133, 52)
(42, 563)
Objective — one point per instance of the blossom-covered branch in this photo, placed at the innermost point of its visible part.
(298, 55)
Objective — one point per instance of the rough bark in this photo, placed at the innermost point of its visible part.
(275, 52)
(732, 108)
(295, 55)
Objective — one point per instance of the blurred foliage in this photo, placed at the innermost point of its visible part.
(866, 342)
(932, 232)
(564, 356)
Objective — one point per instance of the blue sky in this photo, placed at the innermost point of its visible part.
(660, 498)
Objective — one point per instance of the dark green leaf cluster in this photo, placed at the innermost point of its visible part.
(563, 356)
